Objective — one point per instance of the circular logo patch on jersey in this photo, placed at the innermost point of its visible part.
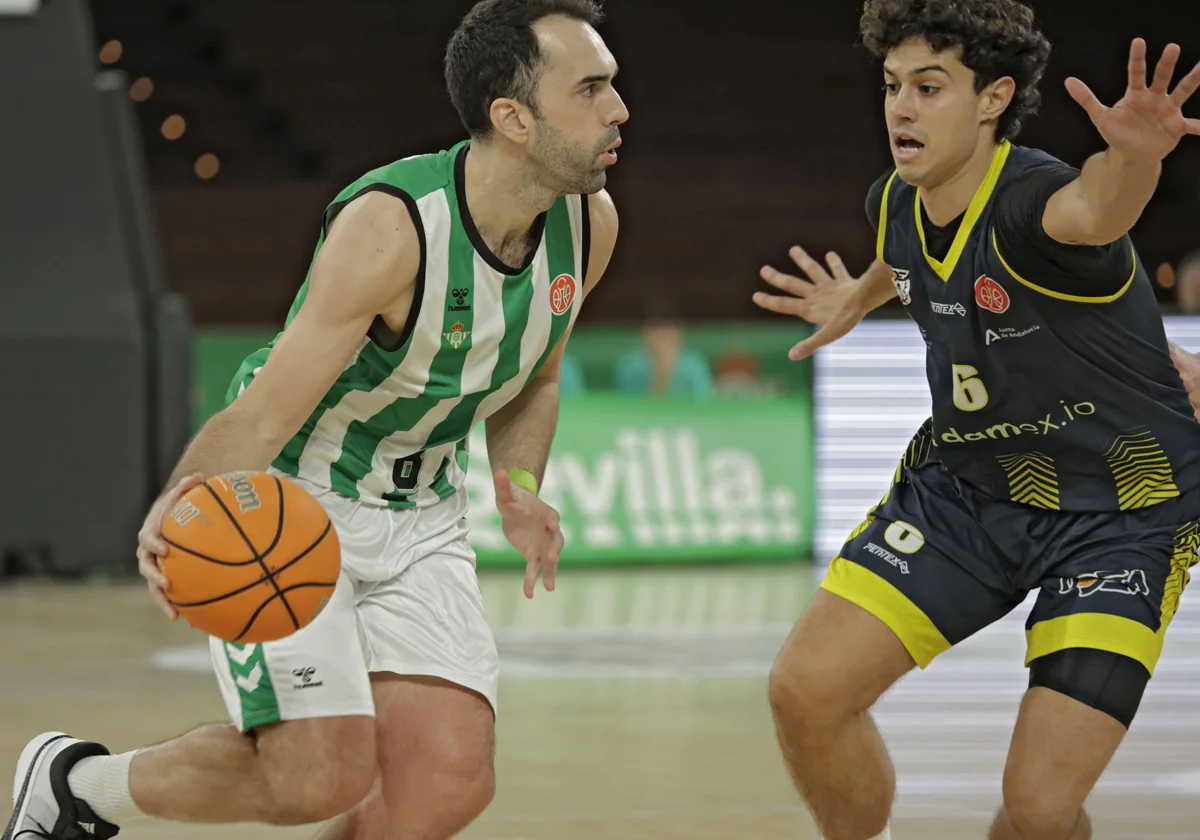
(562, 293)
(991, 295)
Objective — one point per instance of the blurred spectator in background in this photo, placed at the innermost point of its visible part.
(738, 374)
(1187, 284)
(663, 364)
(571, 382)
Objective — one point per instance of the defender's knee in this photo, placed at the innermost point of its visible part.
(1038, 814)
(801, 700)
(315, 770)
(837, 662)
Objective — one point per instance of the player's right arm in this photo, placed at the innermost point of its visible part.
(367, 263)
(833, 301)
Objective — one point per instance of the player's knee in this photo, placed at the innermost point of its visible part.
(461, 777)
(1038, 813)
(317, 769)
(800, 699)
(837, 662)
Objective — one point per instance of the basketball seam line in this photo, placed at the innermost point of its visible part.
(279, 595)
(279, 535)
(195, 553)
(249, 544)
(264, 578)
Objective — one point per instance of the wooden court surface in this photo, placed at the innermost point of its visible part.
(633, 706)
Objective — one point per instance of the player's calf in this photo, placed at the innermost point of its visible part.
(292, 773)
(837, 662)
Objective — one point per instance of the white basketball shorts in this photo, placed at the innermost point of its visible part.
(407, 602)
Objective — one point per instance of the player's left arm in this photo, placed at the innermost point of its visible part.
(1114, 186)
(520, 434)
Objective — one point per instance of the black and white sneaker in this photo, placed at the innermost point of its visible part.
(43, 805)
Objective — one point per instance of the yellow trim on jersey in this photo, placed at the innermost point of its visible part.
(982, 196)
(881, 235)
(1061, 295)
(859, 585)
(1098, 631)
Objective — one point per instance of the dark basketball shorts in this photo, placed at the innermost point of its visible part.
(938, 561)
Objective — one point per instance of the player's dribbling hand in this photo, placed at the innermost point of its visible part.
(827, 299)
(1148, 122)
(531, 527)
(1188, 365)
(151, 548)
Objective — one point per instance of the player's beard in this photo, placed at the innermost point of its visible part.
(565, 167)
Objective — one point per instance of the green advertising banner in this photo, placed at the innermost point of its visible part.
(642, 480)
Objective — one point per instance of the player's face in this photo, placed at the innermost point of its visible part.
(935, 118)
(575, 140)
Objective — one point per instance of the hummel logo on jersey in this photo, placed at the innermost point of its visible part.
(903, 285)
(457, 335)
(305, 677)
(460, 297)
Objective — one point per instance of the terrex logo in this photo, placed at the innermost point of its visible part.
(948, 308)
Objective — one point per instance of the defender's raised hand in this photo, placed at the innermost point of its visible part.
(1148, 122)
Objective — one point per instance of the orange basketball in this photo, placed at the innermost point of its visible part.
(253, 557)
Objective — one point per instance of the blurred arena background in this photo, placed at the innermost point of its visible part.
(163, 167)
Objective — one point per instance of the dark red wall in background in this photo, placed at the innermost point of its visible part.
(754, 126)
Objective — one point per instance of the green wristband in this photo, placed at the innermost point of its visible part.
(524, 479)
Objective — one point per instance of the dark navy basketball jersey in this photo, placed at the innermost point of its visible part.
(1055, 400)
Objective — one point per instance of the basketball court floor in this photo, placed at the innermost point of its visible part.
(633, 706)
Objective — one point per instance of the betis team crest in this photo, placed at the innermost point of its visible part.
(457, 335)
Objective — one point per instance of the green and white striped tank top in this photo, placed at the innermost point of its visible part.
(393, 429)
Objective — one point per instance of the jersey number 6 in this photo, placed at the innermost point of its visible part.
(970, 394)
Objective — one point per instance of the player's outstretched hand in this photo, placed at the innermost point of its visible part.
(1148, 122)
(151, 548)
(826, 299)
(531, 527)
(1188, 365)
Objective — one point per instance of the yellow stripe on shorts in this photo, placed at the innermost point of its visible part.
(1097, 631)
(859, 585)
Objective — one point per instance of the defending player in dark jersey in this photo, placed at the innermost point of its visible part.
(1062, 455)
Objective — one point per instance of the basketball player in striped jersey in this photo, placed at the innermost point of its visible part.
(441, 295)
(1062, 456)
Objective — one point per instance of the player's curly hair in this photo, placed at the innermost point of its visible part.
(997, 38)
(493, 54)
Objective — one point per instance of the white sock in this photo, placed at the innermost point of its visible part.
(102, 782)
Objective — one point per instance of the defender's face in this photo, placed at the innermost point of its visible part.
(577, 137)
(933, 113)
